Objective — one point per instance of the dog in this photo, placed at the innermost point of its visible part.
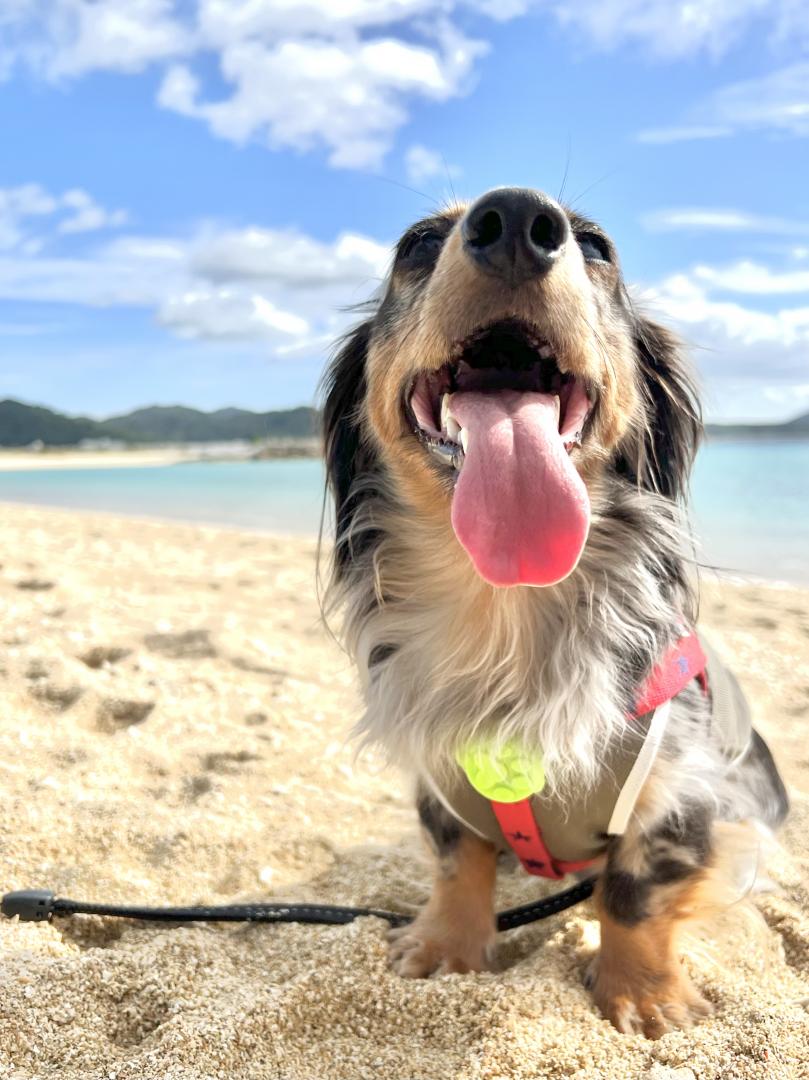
(508, 443)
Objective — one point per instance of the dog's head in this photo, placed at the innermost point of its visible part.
(503, 373)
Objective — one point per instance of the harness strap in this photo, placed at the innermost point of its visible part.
(685, 661)
(682, 663)
(628, 795)
(520, 828)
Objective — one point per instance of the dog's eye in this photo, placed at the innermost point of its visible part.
(421, 247)
(594, 248)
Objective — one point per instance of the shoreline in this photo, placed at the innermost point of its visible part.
(26, 461)
(708, 576)
(156, 456)
(7, 506)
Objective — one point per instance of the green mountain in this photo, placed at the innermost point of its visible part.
(797, 428)
(22, 424)
(174, 423)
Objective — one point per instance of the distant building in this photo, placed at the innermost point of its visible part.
(101, 444)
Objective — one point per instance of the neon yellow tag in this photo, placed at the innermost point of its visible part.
(507, 774)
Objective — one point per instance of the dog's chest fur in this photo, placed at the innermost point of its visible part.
(444, 657)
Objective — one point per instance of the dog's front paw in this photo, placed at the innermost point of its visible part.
(651, 1007)
(422, 948)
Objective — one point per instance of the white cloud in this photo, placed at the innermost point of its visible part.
(776, 102)
(66, 38)
(746, 276)
(422, 164)
(281, 288)
(228, 314)
(290, 257)
(29, 213)
(686, 298)
(340, 75)
(17, 206)
(337, 75)
(87, 214)
(347, 96)
(227, 21)
(672, 28)
(743, 353)
(722, 220)
(662, 136)
(779, 101)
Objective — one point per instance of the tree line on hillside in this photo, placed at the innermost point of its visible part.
(22, 425)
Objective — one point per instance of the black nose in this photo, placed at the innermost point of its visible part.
(515, 233)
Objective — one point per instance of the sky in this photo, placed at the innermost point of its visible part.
(193, 193)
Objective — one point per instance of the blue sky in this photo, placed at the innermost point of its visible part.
(192, 191)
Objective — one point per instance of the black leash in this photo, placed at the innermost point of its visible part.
(40, 905)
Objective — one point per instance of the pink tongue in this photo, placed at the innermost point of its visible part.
(520, 508)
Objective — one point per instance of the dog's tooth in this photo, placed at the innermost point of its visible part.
(449, 425)
(445, 413)
(465, 440)
(545, 352)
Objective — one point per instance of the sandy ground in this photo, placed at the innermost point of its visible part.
(19, 460)
(145, 457)
(173, 729)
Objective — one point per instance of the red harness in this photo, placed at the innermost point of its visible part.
(682, 663)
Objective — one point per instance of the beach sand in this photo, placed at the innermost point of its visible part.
(174, 729)
(27, 461)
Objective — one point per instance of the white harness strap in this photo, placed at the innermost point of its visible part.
(639, 772)
(448, 806)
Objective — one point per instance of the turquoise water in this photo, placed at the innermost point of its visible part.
(750, 504)
(282, 496)
(750, 500)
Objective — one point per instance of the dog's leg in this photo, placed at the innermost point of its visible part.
(455, 930)
(653, 881)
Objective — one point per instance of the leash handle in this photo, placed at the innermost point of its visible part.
(41, 905)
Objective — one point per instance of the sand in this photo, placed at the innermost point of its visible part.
(28, 461)
(173, 729)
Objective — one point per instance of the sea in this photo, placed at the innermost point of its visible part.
(749, 506)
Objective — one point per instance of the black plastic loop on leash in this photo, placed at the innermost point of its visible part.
(40, 905)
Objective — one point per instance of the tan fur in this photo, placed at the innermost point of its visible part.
(638, 981)
(455, 931)
(459, 300)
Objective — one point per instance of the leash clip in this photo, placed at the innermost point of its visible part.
(31, 905)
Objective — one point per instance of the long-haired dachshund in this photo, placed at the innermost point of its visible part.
(508, 444)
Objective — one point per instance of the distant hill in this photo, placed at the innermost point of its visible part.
(22, 424)
(174, 423)
(797, 428)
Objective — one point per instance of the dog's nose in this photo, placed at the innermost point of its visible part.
(515, 233)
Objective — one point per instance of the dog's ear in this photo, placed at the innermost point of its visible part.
(348, 454)
(659, 454)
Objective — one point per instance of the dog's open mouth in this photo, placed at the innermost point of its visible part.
(505, 357)
(505, 416)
